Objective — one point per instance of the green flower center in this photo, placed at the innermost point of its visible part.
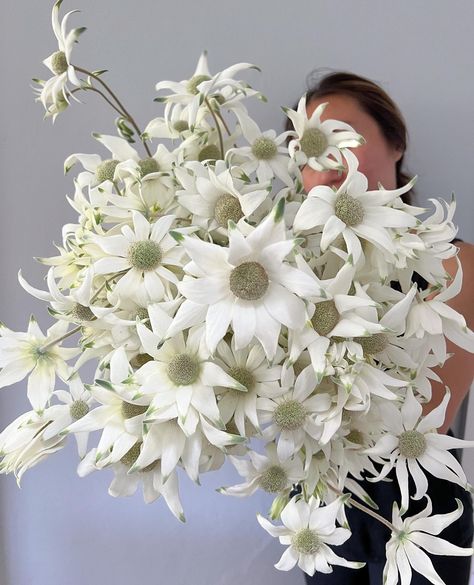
(289, 415)
(412, 444)
(374, 343)
(145, 255)
(150, 467)
(249, 281)
(273, 479)
(131, 455)
(192, 85)
(78, 409)
(180, 125)
(59, 62)
(209, 152)
(264, 148)
(349, 210)
(81, 313)
(183, 370)
(130, 410)
(325, 317)
(227, 207)
(143, 315)
(140, 360)
(313, 142)
(105, 171)
(147, 166)
(243, 376)
(356, 437)
(306, 542)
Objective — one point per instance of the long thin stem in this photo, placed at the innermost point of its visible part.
(218, 128)
(119, 103)
(111, 104)
(59, 339)
(219, 115)
(365, 509)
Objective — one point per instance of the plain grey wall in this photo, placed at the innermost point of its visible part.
(60, 530)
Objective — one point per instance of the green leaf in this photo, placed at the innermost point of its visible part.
(177, 236)
(105, 384)
(279, 210)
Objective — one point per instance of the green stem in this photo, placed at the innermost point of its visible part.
(119, 103)
(219, 115)
(218, 128)
(59, 339)
(111, 104)
(365, 509)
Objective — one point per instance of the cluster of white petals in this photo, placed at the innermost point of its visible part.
(230, 315)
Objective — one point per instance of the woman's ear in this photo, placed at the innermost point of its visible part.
(398, 152)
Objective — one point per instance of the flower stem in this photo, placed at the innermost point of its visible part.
(119, 103)
(219, 115)
(59, 339)
(218, 128)
(365, 509)
(111, 104)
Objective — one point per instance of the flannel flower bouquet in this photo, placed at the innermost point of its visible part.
(231, 314)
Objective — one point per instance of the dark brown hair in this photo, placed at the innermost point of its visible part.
(376, 102)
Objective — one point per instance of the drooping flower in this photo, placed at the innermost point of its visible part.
(412, 443)
(308, 530)
(54, 93)
(404, 549)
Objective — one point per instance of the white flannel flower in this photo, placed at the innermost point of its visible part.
(412, 443)
(31, 353)
(291, 414)
(248, 284)
(54, 94)
(77, 307)
(147, 182)
(144, 253)
(75, 404)
(308, 528)
(119, 416)
(267, 155)
(125, 483)
(435, 317)
(317, 143)
(22, 442)
(266, 472)
(214, 196)
(354, 212)
(180, 381)
(413, 534)
(204, 86)
(340, 314)
(250, 367)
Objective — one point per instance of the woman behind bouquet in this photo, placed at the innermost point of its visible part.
(366, 107)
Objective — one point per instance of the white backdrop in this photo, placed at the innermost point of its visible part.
(58, 529)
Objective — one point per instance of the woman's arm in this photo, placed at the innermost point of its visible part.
(458, 371)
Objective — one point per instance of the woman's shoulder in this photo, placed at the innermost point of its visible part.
(463, 301)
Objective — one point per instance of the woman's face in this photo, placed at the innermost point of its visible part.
(377, 158)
